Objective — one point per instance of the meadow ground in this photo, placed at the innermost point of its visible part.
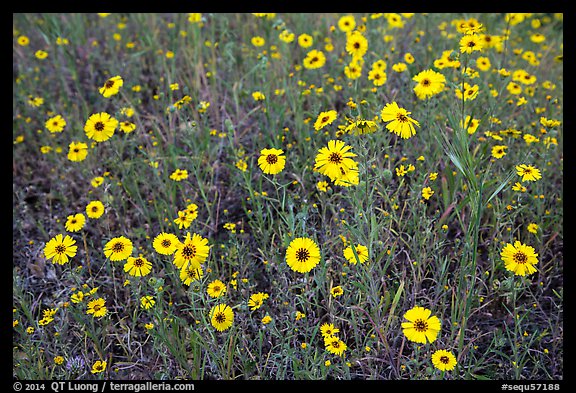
(288, 196)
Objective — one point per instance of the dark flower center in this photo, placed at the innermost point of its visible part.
(444, 359)
(420, 325)
(335, 158)
(99, 126)
(271, 159)
(302, 255)
(520, 257)
(118, 247)
(401, 118)
(189, 251)
(60, 249)
(220, 317)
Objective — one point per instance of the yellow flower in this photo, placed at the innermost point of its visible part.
(347, 23)
(335, 345)
(189, 274)
(519, 187)
(470, 43)
(399, 121)
(314, 59)
(111, 86)
(100, 126)
(118, 248)
(498, 151)
(147, 302)
(337, 291)
(216, 289)
(242, 165)
(286, 36)
(429, 83)
(266, 319)
(335, 160)
(95, 209)
(99, 366)
(399, 67)
(470, 124)
(221, 317)
(192, 252)
(519, 258)
(328, 330)
(75, 222)
(60, 249)
(184, 219)
(305, 40)
(256, 300)
(528, 172)
(470, 92)
(97, 308)
(427, 192)
(420, 326)
(322, 186)
(258, 41)
(444, 360)
(23, 40)
(97, 181)
(41, 54)
(302, 255)
(356, 44)
(258, 96)
(78, 151)
(138, 267)
(179, 175)
(271, 161)
(77, 297)
(165, 243)
(378, 77)
(55, 124)
(127, 126)
(361, 253)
